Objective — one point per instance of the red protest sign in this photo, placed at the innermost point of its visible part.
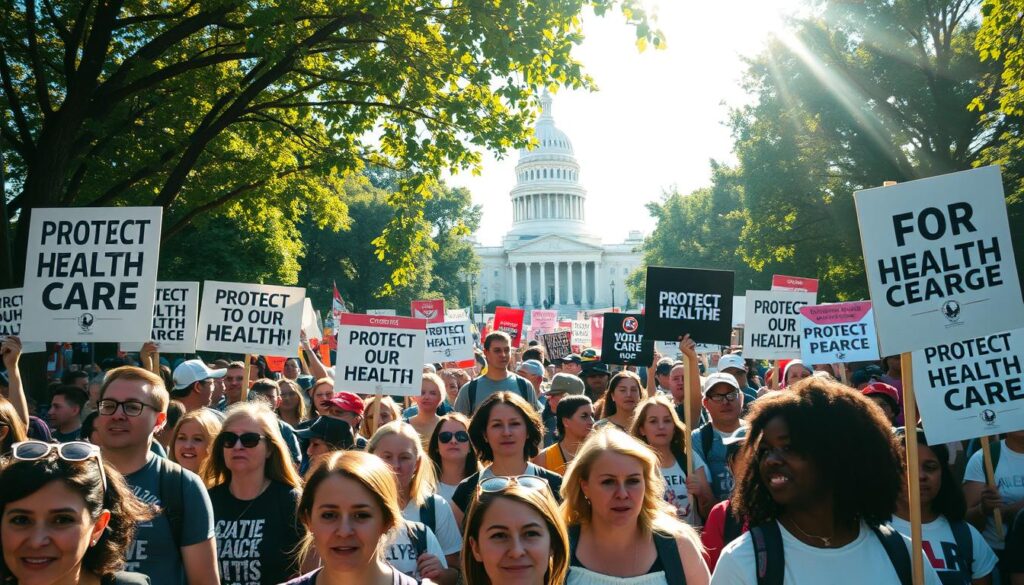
(794, 283)
(275, 363)
(510, 321)
(596, 331)
(432, 310)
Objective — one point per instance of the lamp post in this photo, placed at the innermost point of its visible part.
(613, 294)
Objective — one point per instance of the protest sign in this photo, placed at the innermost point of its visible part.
(309, 321)
(380, 355)
(510, 321)
(794, 283)
(939, 259)
(971, 388)
(739, 311)
(456, 314)
(623, 340)
(250, 318)
(431, 310)
(688, 300)
(10, 319)
(382, 312)
(275, 363)
(580, 334)
(543, 321)
(596, 331)
(90, 273)
(557, 344)
(770, 328)
(448, 342)
(837, 332)
(175, 314)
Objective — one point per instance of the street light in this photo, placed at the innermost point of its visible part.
(613, 293)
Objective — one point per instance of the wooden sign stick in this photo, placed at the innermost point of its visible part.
(913, 471)
(986, 452)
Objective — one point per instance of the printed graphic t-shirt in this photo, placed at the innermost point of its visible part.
(445, 528)
(940, 550)
(401, 553)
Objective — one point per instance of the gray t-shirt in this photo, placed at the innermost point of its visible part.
(486, 386)
(722, 481)
(154, 552)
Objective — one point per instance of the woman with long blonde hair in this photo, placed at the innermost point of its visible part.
(430, 552)
(621, 530)
(389, 411)
(192, 437)
(293, 407)
(254, 490)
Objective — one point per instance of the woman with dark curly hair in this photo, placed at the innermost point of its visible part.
(66, 517)
(819, 478)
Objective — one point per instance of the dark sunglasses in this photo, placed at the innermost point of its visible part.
(460, 436)
(249, 440)
(70, 451)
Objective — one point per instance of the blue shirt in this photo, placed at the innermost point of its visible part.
(721, 476)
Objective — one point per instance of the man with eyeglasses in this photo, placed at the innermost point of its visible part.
(723, 401)
(177, 546)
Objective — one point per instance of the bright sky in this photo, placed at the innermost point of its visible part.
(657, 119)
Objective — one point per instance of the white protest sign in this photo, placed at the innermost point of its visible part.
(838, 332)
(175, 314)
(10, 319)
(770, 329)
(382, 312)
(671, 348)
(250, 318)
(939, 259)
(380, 354)
(581, 333)
(450, 341)
(90, 273)
(309, 322)
(971, 388)
(739, 310)
(456, 314)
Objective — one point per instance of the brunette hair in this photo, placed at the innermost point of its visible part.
(610, 407)
(472, 465)
(678, 443)
(478, 425)
(300, 411)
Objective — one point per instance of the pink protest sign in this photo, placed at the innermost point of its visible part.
(837, 332)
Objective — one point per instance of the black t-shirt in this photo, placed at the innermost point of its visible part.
(466, 490)
(257, 539)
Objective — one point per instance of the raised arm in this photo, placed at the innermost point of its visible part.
(11, 350)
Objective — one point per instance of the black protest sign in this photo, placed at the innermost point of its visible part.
(689, 300)
(557, 344)
(623, 340)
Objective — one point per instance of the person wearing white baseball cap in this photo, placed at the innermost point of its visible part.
(733, 363)
(723, 401)
(193, 384)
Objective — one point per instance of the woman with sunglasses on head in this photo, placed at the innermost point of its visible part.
(506, 432)
(254, 490)
(621, 530)
(350, 510)
(452, 453)
(515, 535)
(193, 436)
(429, 546)
(818, 480)
(574, 419)
(625, 391)
(65, 518)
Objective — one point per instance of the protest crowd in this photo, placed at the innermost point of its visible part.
(773, 441)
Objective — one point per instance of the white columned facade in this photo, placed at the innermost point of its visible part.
(572, 297)
(597, 280)
(558, 289)
(543, 284)
(515, 283)
(529, 284)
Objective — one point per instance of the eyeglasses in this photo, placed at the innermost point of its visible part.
(249, 440)
(446, 436)
(730, 397)
(70, 451)
(499, 483)
(108, 407)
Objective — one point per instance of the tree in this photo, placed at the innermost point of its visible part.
(190, 105)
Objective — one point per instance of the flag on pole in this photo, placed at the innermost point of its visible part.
(338, 306)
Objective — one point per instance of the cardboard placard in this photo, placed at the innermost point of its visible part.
(259, 319)
(688, 300)
(623, 340)
(449, 341)
(11, 301)
(971, 388)
(543, 321)
(456, 314)
(837, 333)
(770, 330)
(580, 333)
(739, 310)
(309, 321)
(510, 321)
(175, 317)
(275, 363)
(794, 283)
(432, 310)
(90, 273)
(557, 344)
(380, 354)
(939, 259)
(596, 330)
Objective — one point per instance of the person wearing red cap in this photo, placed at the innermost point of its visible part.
(886, 397)
(348, 407)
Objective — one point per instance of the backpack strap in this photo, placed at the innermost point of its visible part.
(471, 388)
(524, 390)
(680, 456)
(417, 536)
(668, 553)
(428, 513)
(707, 439)
(574, 539)
(732, 528)
(896, 548)
(964, 548)
(768, 554)
(172, 497)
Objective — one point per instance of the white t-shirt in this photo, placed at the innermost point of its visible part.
(401, 554)
(446, 529)
(446, 491)
(862, 561)
(675, 489)
(940, 547)
(1009, 476)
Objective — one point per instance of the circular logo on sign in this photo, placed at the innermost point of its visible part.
(988, 416)
(951, 310)
(630, 324)
(85, 322)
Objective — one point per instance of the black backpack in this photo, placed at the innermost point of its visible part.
(521, 384)
(417, 536)
(668, 553)
(771, 566)
(172, 496)
(428, 513)
(964, 549)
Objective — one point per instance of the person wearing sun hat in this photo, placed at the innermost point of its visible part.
(561, 385)
(595, 375)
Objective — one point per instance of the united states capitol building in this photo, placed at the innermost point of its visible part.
(549, 259)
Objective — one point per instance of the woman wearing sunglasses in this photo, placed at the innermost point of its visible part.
(621, 531)
(430, 552)
(64, 518)
(192, 437)
(515, 534)
(350, 508)
(452, 453)
(254, 490)
(506, 432)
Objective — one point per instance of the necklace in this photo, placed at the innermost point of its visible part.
(266, 484)
(826, 541)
